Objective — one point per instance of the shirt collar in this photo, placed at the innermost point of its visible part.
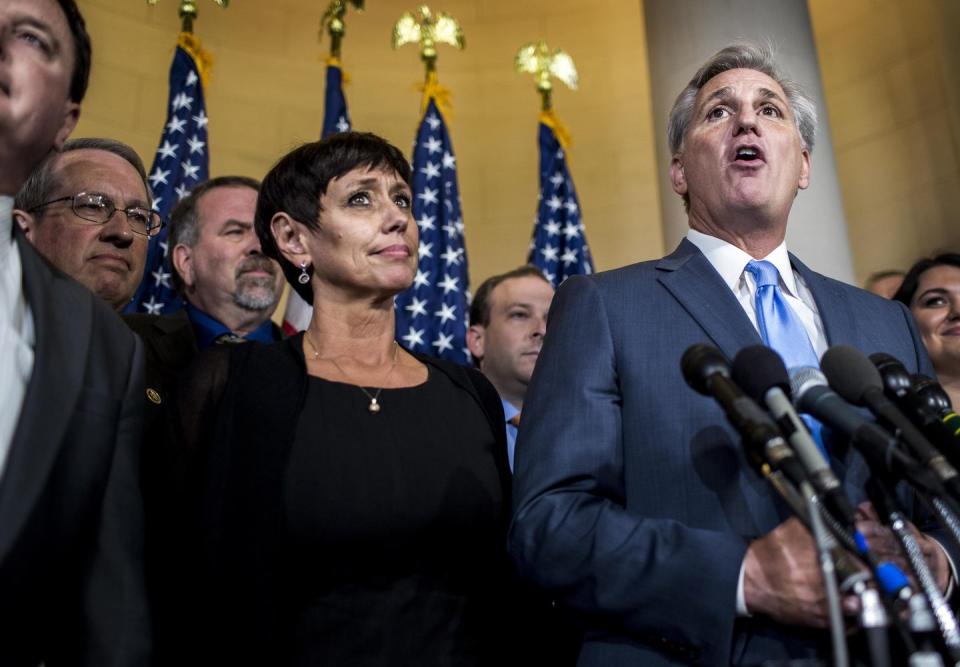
(730, 261)
(509, 410)
(207, 329)
(6, 225)
(6, 217)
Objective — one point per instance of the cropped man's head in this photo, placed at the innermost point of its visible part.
(218, 264)
(45, 70)
(87, 209)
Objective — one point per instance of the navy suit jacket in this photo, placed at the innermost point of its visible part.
(633, 501)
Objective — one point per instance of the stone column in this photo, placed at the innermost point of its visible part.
(681, 35)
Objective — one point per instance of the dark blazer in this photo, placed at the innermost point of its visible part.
(171, 347)
(634, 502)
(71, 570)
(239, 411)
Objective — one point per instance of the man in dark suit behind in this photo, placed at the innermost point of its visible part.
(634, 503)
(71, 381)
(230, 287)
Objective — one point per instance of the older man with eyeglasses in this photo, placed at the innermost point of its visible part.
(87, 209)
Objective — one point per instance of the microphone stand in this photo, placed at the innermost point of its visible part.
(890, 511)
(875, 617)
(825, 543)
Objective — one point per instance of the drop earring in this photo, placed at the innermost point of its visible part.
(304, 277)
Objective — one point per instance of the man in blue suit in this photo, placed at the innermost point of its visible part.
(634, 504)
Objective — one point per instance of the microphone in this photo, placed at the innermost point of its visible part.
(899, 387)
(812, 395)
(760, 372)
(858, 381)
(937, 400)
(707, 371)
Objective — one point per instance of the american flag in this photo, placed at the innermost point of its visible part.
(336, 118)
(181, 162)
(432, 314)
(559, 246)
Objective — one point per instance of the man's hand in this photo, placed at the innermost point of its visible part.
(782, 579)
(885, 545)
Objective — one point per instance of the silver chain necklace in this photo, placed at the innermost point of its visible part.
(374, 406)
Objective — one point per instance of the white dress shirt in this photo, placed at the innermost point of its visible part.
(16, 333)
(730, 262)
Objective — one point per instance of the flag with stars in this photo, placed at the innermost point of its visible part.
(432, 314)
(335, 116)
(559, 245)
(336, 119)
(181, 162)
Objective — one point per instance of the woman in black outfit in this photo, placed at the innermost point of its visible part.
(354, 495)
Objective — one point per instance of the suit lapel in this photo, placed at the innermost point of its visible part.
(62, 326)
(833, 306)
(177, 345)
(693, 281)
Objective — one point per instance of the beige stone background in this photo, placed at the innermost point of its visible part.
(891, 75)
(890, 71)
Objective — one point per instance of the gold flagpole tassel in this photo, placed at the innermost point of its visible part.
(332, 23)
(188, 12)
(428, 29)
(536, 59)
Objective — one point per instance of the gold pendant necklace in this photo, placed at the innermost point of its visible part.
(374, 406)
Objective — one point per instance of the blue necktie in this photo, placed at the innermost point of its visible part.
(781, 328)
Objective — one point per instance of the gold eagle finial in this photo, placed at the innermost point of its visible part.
(536, 59)
(428, 29)
(332, 22)
(188, 12)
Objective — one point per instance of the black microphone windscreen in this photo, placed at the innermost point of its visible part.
(931, 392)
(757, 369)
(850, 372)
(896, 378)
(699, 363)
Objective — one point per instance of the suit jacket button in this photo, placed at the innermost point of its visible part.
(154, 396)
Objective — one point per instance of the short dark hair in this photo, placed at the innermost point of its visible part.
(184, 221)
(43, 180)
(910, 281)
(82, 50)
(480, 306)
(296, 182)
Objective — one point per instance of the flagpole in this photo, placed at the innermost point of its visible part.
(188, 12)
(297, 313)
(558, 247)
(181, 161)
(432, 314)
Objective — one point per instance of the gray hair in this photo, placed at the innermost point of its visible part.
(742, 55)
(43, 180)
(185, 222)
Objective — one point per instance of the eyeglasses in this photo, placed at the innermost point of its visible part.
(99, 208)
